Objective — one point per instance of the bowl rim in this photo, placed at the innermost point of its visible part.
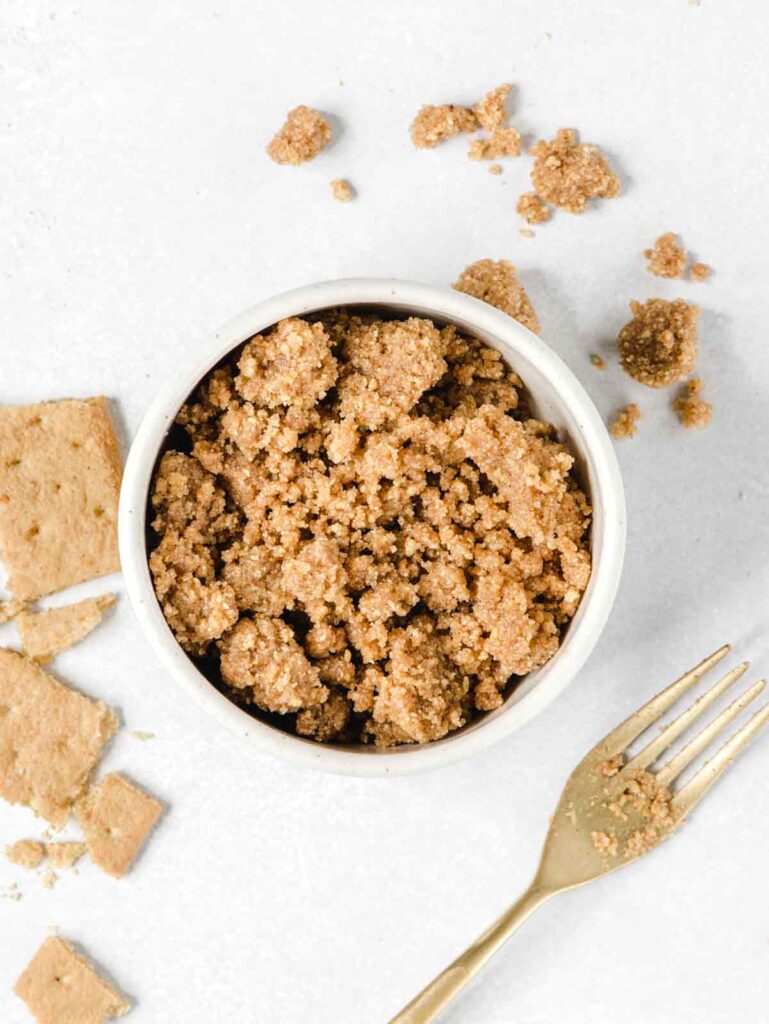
(607, 498)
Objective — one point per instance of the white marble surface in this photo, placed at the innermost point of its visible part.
(138, 211)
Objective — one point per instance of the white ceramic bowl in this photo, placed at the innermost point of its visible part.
(557, 398)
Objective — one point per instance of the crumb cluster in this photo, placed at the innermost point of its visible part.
(342, 190)
(434, 124)
(568, 173)
(666, 258)
(496, 282)
(659, 345)
(624, 423)
(305, 133)
(533, 209)
(692, 411)
(367, 535)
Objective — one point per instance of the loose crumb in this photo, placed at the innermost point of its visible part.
(305, 133)
(612, 767)
(605, 842)
(701, 271)
(342, 190)
(526, 232)
(434, 124)
(568, 174)
(692, 411)
(139, 734)
(48, 878)
(624, 423)
(10, 892)
(503, 142)
(533, 209)
(490, 111)
(666, 258)
(495, 169)
(659, 345)
(27, 853)
(496, 282)
(65, 854)
(598, 362)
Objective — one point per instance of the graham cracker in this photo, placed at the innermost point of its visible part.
(64, 854)
(116, 817)
(44, 634)
(10, 609)
(61, 987)
(50, 738)
(27, 853)
(59, 480)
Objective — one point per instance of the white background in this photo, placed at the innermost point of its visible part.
(138, 211)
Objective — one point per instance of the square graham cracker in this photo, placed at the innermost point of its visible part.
(116, 817)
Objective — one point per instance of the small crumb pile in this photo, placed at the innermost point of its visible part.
(496, 282)
(668, 259)
(533, 209)
(342, 190)
(654, 805)
(434, 124)
(659, 345)
(305, 133)
(701, 271)
(569, 174)
(624, 423)
(691, 410)
(503, 140)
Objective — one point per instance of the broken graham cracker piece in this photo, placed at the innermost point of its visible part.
(659, 345)
(10, 609)
(304, 134)
(64, 854)
(533, 209)
(496, 282)
(27, 853)
(434, 124)
(44, 634)
(624, 423)
(116, 817)
(50, 738)
(61, 987)
(59, 482)
(568, 173)
(692, 411)
(342, 190)
(666, 258)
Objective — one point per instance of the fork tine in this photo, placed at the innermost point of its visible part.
(670, 772)
(694, 790)
(632, 727)
(679, 725)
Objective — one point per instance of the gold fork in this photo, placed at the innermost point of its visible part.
(612, 811)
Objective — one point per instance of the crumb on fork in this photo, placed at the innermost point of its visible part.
(304, 134)
(490, 111)
(569, 174)
(624, 423)
(693, 412)
(116, 817)
(434, 124)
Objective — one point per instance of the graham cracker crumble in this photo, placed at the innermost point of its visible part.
(624, 423)
(659, 345)
(48, 878)
(10, 892)
(27, 853)
(692, 411)
(304, 134)
(434, 124)
(612, 767)
(533, 209)
(701, 271)
(47, 633)
(666, 258)
(342, 190)
(568, 174)
(490, 111)
(651, 802)
(495, 169)
(59, 986)
(496, 282)
(116, 817)
(598, 362)
(64, 854)
(393, 537)
(501, 143)
(605, 842)
(140, 734)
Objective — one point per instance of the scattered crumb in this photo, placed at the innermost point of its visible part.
(305, 133)
(612, 766)
(116, 817)
(64, 854)
(44, 634)
(10, 892)
(605, 843)
(624, 423)
(490, 111)
(533, 209)
(496, 282)
(701, 271)
(659, 345)
(692, 411)
(139, 734)
(503, 142)
(649, 801)
(597, 361)
(495, 168)
(52, 736)
(666, 258)
(27, 853)
(568, 174)
(59, 481)
(61, 987)
(10, 609)
(434, 124)
(48, 878)
(342, 190)
(526, 232)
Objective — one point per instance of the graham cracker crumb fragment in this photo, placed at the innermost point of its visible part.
(569, 174)
(496, 282)
(27, 853)
(10, 609)
(305, 133)
(701, 271)
(59, 482)
(495, 168)
(598, 362)
(10, 892)
(116, 817)
(44, 634)
(48, 878)
(605, 842)
(666, 258)
(526, 232)
(659, 345)
(502, 142)
(490, 111)
(140, 734)
(624, 423)
(434, 124)
(533, 209)
(61, 987)
(50, 738)
(342, 190)
(612, 767)
(64, 854)
(692, 411)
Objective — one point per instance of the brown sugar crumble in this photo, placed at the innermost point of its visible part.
(568, 173)
(434, 124)
(659, 345)
(701, 271)
(692, 411)
(490, 111)
(342, 190)
(605, 842)
(305, 133)
(495, 169)
(370, 537)
(533, 209)
(624, 423)
(666, 258)
(496, 282)
(501, 143)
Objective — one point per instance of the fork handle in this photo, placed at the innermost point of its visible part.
(426, 1006)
